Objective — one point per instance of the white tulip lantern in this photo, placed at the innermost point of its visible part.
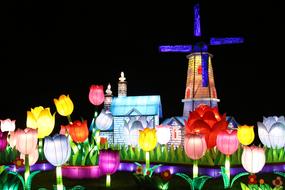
(271, 132)
(253, 159)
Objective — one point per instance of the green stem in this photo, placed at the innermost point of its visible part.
(95, 116)
(69, 119)
(27, 171)
(59, 184)
(108, 180)
(195, 168)
(227, 166)
(147, 163)
(41, 155)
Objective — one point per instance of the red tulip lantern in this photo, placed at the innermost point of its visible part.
(207, 121)
(78, 131)
(3, 140)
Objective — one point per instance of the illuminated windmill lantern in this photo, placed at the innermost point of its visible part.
(200, 85)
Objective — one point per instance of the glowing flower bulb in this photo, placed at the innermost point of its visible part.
(64, 105)
(147, 142)
(253, 159)
(245, 134)
(96, 95)
(195, 148)
(8, 125)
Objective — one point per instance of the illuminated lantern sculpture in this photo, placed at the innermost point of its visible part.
(227, 143)
(245, 134)
(104, 121)
(109, 161)
(3, 141)
(108, 98)
(78, 131)
(163, 134)
(271, 132)
(57, 151)
(26, 144)
(8, 125)
(253, 159)
(147, 142)
(195, 148)
(96, 95)
(41, 119)
(122, 86)
(207, 121)
(12, 140)
(64, 106)
(33, 157)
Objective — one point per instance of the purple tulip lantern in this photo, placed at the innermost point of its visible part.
(109, 161)
(3, 140)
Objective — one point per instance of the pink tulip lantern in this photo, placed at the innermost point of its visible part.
(96, 97)
(109, 161)
(195, 148)
(253, 159)
(227, 143)
(8, 125)
(26, 144)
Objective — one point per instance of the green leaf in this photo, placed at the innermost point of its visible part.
(19, 176)
(269, 157)
(275, 155)
(187, 178)
(281, 155)
(244, 186)
(253, 187)
(225, 177)
(30, 178)
(200, 181)
(238, 176)
(280, 173)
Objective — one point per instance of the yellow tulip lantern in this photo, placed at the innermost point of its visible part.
(245, 134)
(147, 142)
(41, 119)
(64, 106)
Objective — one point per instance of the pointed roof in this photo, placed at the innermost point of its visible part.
(145, 105)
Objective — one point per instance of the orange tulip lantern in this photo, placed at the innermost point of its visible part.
(78, 131)
(207, 121)
(147, 142)
(96, 97)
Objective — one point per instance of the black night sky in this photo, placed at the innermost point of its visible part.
(63, 48)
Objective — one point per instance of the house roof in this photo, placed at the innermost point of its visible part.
(144, 105)
(180, 120)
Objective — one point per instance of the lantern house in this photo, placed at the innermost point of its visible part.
(108, 98)
(233, 124)
(134, 113)
(176, 130)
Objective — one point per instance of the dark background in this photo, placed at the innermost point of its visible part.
(53, 48)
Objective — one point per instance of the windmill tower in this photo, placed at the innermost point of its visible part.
(200, 85)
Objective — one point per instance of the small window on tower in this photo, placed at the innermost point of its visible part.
(200, 69)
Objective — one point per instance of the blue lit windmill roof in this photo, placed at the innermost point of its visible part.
(145, 105)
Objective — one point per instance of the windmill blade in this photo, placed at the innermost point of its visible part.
(197, 26)
(205, 73)
(231, 40)
(176, 48)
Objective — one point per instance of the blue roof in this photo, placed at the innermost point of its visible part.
(180, 120)
(145, 105)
